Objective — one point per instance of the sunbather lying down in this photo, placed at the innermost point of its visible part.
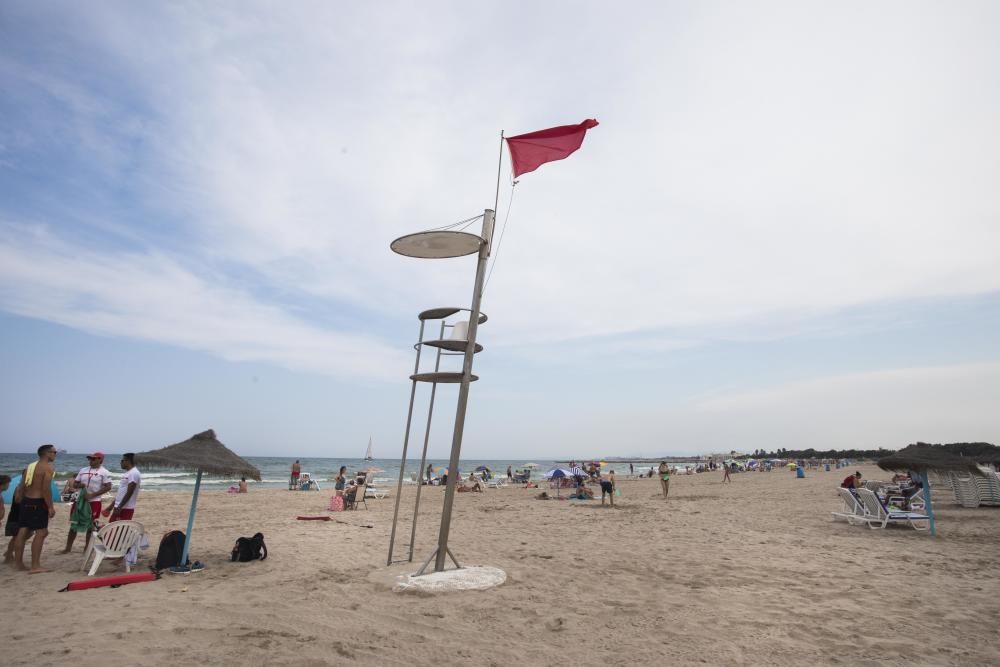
(542, 496)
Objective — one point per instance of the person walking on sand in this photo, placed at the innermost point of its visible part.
(608, 487)
(664, 472)
(92, 482)
(122, 508)
(725, 474)
(510, 475)
(293, 481)
(631, 471)
(430, 471)
(34, 494)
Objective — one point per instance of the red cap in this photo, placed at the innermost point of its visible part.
(96, 455)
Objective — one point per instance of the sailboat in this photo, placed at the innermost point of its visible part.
(368, 453)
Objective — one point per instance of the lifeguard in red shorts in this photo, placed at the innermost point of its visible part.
(123, 507)
(92, 482)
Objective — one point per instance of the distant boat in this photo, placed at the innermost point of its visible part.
(61, 451)
(368, 454)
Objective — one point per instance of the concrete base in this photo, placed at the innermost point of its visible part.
(473, 578)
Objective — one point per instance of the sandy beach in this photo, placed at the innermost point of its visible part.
(753, 572)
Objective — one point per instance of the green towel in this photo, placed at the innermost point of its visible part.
(80, 519)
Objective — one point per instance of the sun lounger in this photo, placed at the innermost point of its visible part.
(966, 490)
(497, 483)
(988, 487)
(854, 512)
(879, 517)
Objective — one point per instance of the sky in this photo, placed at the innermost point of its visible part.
(784, 233)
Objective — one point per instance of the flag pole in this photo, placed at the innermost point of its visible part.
(496, 200)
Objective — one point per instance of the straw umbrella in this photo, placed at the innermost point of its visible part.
(199, 453)
(922, 458)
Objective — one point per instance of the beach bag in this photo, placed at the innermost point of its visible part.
(336, 503)
(169, 553)
(249, 548)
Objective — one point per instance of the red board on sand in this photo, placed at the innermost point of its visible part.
(314, 518)
(117, 580)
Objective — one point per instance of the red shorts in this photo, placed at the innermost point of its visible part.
(95, 510)
(123, 515)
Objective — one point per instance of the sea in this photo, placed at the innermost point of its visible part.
(275, 470)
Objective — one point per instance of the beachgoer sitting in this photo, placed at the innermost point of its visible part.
(542, 496)
(243, 485)
(583, 493)
(852, 481)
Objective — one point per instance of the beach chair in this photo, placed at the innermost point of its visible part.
(497, 483)
(377, 494)
(966, 490)
(988, 488)
(359, 498)
(854, 512)
(879, 517)
(112, 541)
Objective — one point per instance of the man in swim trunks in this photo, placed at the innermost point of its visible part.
(36, 508)
(608, 487)
(93, 482)
(293, 481)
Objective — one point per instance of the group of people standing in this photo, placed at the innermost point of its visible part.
(33, 505)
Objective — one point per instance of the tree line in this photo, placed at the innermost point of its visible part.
(971, 449)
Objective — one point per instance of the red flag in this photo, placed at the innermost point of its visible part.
(530, 151)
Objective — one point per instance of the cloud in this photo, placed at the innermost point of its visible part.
(890, 408)
(748, 167)
(150, 296)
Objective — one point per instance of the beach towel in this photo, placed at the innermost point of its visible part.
(29, 473)
(81, 518)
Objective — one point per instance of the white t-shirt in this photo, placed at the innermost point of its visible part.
(131, 476)
(93, 479)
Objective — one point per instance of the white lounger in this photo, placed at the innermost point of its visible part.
(879, 517)
(854, 512)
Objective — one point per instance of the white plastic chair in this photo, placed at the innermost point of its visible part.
(113, 541)
(880, 517)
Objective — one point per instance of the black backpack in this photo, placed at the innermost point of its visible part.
(249, 548)
(169, 553)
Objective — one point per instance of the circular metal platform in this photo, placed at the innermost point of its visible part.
(441, 377)
(437, 245)
(441, 313)
(451, 345)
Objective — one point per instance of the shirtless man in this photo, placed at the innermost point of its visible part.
(35, 491)
(293, 481)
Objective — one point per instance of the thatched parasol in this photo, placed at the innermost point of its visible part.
(921, 458)
(200, 453)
